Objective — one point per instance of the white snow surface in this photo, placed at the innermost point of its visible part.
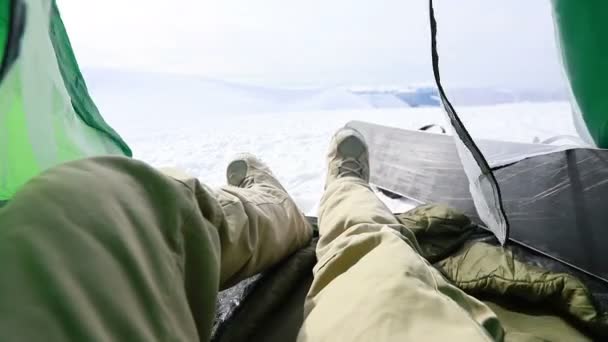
(294, 142)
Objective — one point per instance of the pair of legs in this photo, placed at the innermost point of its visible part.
(111, 249)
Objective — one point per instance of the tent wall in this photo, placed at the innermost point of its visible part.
(583, 36)
(482, 182)
(46, 114)
(4, 23)
(555, 198)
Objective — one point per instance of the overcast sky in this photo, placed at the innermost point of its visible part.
(303, 42)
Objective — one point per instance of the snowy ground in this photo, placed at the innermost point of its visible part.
(294, 143)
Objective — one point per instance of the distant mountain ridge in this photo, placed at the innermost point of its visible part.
(428, 96)
(152, 94)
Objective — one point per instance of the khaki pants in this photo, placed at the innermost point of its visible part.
(370, 284)
(110, 249)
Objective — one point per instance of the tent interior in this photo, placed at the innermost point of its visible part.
(542, 198)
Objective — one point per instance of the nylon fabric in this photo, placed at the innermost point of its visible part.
(581, 31)
(74, 82)
(440, 230)
(483, 186)
(12, 22)
(488, 271)
(19, 162)
(5, 11)
(532, 303)
(40, 125)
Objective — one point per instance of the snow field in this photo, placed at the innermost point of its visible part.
(294, 143)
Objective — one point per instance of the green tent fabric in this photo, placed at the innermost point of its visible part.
(581, 29)
(4, 24)
(46, 114)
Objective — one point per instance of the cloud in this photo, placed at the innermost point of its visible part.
(317, 41)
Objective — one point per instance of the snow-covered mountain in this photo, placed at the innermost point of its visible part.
(422, 96)
(142, 96)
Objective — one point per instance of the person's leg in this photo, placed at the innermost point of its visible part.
(370, 284)
(111, 249)
(261, 223)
